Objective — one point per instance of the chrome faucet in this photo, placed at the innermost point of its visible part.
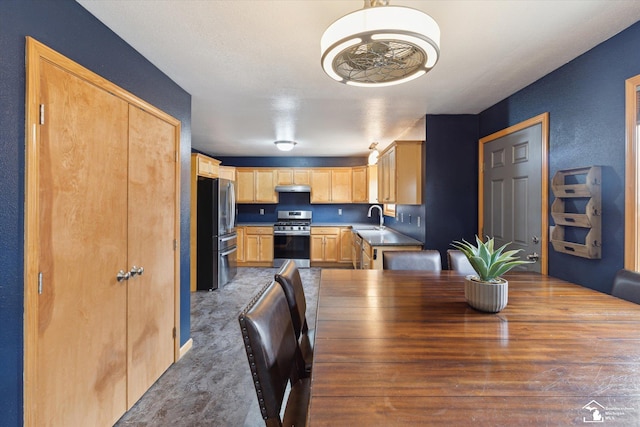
(381, 215)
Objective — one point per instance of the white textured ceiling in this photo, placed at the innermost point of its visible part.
(253, 67)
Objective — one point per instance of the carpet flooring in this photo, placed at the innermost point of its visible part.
(211, 385)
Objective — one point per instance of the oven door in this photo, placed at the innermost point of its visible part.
(295, 246)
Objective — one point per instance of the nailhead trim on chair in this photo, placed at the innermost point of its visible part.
(247, 346)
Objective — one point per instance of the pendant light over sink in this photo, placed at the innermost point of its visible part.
(380, 45)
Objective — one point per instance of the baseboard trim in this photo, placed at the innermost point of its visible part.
(185, 348)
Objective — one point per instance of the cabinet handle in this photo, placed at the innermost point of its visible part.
(136, 270)
(123, 276)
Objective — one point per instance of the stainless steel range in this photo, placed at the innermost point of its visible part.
(292, 238)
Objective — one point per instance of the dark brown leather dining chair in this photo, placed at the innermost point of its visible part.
(459, 262)
(412, 260)
(626, 285)
(289, 278)
(274, 358)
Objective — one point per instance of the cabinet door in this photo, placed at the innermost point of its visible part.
(76, 354)
(345, 244)
(387, 174)
(360, 185)
(317, 248)
(331, 248)
(252, 247)
(320, 185)
(266, 248)
(227, 172)
(265, 186)
(151, 235)
(367, 255)
(302, 176)
(341, 182)
(245, 186)
(240, 239)
(284, 176)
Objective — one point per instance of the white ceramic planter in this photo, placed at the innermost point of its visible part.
(488, 297)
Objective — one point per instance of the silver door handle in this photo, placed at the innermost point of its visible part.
(122, 275)
(533, 257)
(136, 270)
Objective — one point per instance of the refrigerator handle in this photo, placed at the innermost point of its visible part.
(230, 251)
(232, 208)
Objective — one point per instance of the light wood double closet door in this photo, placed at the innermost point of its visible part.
(102, 203)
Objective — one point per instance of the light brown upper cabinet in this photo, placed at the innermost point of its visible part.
(256, 185)
(331, 185)
(360, 191)
(205, 166)
(400, 173)
(102, 244)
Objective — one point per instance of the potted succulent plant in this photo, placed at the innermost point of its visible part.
(488, 291)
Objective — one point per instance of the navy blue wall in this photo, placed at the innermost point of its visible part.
(68, 28)
(451, 187)
(585, 100)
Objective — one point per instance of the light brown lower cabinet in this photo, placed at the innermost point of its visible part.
(258, 246)
(325, 246)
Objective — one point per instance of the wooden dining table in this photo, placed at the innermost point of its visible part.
(403, 348)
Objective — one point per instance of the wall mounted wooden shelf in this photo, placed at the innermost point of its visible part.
(580, 188)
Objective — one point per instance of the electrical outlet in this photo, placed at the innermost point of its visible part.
(339, 211)
(401, 216)
(261, 211)
(418, 222)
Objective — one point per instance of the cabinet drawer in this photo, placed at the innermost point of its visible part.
(325, 230)
(258, 230)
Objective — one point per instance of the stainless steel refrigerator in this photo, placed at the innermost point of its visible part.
(217, 239)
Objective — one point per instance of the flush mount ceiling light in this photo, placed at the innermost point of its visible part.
(285, 145)
(373, 155)
(380, 45)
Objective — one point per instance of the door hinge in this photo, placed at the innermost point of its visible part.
(40, 283)
(41, 119)
(174, 333)
(175, 244)
(176, 156)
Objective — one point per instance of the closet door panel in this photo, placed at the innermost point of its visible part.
(82, 233)
(152, 225)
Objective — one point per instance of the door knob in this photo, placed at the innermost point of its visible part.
(533, 257)
(136, 270)
(535, 239)
(122, 275)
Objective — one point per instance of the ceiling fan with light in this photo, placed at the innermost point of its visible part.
(380, 45)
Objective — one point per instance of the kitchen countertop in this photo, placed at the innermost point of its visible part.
(368, 232)
(386, 237)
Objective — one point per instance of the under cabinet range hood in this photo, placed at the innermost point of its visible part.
(293, 188)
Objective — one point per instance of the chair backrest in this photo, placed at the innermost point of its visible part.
(272, 349)
(412, 260)
(626, 285)
(289, 278)
(459, 262)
